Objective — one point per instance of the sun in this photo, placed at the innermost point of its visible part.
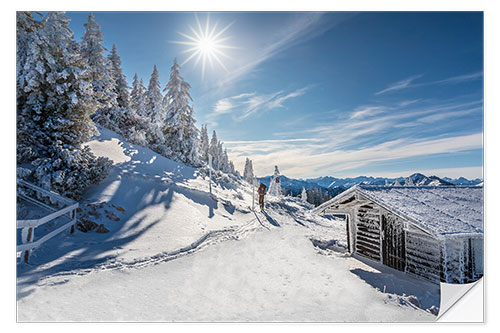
(206, 45)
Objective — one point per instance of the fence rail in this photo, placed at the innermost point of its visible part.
(27, 226)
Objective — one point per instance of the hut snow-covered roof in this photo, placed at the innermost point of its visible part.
(447, 211)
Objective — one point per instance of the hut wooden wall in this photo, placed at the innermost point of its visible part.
(367, 241)
(423, 254)
(463, 260)
(477, 257)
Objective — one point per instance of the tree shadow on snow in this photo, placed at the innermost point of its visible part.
(79, 251)
(144, 181)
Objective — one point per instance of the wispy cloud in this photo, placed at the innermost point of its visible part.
(460, 78)
(299, 29)
(399, 85)
(408, 83)
(369, 134)
(298, 159)
(246, 104)
(366, 111)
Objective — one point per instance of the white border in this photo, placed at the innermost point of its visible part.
(492, 109)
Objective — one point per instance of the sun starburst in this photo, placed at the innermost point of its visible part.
(206, 45)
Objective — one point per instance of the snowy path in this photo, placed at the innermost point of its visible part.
(269, 276)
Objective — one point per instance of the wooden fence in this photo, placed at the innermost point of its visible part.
(61, 207)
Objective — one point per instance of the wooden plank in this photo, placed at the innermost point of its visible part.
(374, 233)
(367, 250)
(373, 242)
(423, 251)
(371, 227)
(374, 247)
(44, 191)
(425, 273)
(368, 254)
(423, 263)
(29, 246)
(369, 235)
(368, 216)
(422, 238)
(45, 219)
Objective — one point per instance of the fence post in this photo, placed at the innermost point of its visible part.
(210, 173)
(73, 217)
(27, 238)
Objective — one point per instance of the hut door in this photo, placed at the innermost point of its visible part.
(393, 243)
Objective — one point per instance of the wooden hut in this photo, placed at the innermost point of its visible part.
(435, 233)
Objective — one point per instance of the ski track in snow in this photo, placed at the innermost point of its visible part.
(179, 253)
(212, 237)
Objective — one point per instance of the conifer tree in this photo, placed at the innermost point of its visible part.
(225, 162)
(99, 69)
(180, 133)
(59, 102)
(135, 94)
(232, 170)
(121, 87)
(142, 99)
(29, 76)
(204, 143)
(275, 185)
(303, 195)
(213, 150)
(154, 109)
(248, 171)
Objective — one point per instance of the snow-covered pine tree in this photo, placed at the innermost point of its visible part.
(179, 130)
(154, 109)
(387, 183)
(213, 150)
(134, 124)
(60, 100)
(303, 195)
(155, 113)
(275, 185)
(29, 57)
(409, 181)
(220, 156)
(397, 183)
(232, 170)
(204, 143)
(248, 171)
(98, 66)
(225, 162)
(135, 93)
(245, 169)
(121, 87)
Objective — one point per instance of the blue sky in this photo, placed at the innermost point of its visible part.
(337, 94)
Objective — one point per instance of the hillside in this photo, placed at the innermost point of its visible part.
(175, 252)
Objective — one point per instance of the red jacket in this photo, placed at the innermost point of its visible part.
(262, 190)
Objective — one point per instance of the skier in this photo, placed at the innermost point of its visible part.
(262, 192)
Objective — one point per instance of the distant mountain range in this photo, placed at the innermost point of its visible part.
(335, 186)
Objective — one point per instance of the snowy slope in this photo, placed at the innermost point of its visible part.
(175, 252)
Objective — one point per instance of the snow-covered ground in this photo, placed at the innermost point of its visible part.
(175, 252)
